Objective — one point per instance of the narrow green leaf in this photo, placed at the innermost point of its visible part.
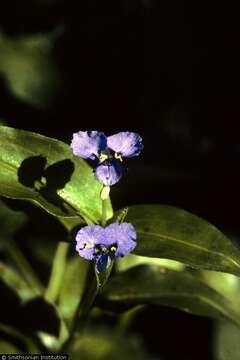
(168, 232)
(10, 221)
(72, 287)
(8, 348)
(23, 338)
(16, 282)
(45, 172)
(154, 285)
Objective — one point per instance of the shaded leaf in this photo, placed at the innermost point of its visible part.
(80, 194)
(49, 325)
(16, 282)
(168, 232)
(28, 68)
(154, 285)
(102, 346)
(8, 348)
(10, 221)
(226, 341)
(28, 343)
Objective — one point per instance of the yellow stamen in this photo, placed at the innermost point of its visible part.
(103, 157)
(118, 157)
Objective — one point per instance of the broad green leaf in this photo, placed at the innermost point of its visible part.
(168, 232)
(72, 287)
(45, 172)
(154, 285)
(28, 68)
(16, 282)
(102, 346)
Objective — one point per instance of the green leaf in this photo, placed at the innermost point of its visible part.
(50, 326)
(102, 346)
(130, 261)
(28, 68)
(8, 348)
(72, 287)
(10, 221)
(16, 282)
(226, 341)
(45, 172)
(168, 232)
(23, 338)
(154, 285)
(226, 284)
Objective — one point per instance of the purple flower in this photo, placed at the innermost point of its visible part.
(125, 144)
(109, 151)
(109, 172)
(88, 144)
(103, 244)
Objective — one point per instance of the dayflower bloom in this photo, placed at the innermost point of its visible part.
(103, 244)
(109, 151)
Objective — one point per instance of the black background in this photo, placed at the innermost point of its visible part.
(168, 70)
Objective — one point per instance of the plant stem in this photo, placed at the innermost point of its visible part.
(104, 212)
(25, 267)
(57, 272)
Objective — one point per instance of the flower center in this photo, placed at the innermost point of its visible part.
(109, 155)
(107, 250)
(103, 255)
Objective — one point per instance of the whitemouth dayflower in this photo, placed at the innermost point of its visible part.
(103, 244)
(109, 151)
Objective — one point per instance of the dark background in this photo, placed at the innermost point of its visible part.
(168, 70)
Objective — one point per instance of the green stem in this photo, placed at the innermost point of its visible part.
(25, 267)
(104, 212)
(57, 272)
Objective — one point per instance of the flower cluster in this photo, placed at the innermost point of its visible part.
(109, 151)
(103, 244)
(95, 242)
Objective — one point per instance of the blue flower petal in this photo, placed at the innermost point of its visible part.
(88, 144)
(127, 144)
(109, 172)
(124, 235)
(87, 238)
